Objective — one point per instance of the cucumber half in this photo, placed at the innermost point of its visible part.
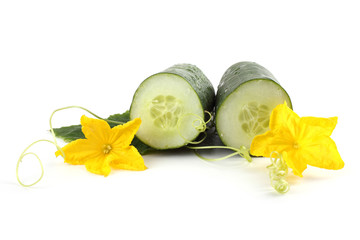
(169, 103)
(246, 96)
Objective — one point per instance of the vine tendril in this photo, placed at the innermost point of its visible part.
(25, 153)
(199, 125)
(278, 172)
(242, 151)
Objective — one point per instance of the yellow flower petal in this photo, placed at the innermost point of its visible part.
(127, 158)
(122, 135)
(79, 151)
(99, 165)
(283, 116)
(295, 161)
(323, 153)
(96, 129)
(264, 144)
(326, 124)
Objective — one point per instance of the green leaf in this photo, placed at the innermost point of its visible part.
(123, 117)
(71, 133)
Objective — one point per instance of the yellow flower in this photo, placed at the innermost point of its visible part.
(302, 141)
(105, 147)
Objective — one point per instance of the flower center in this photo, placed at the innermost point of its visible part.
(296, 145)
(107, 148)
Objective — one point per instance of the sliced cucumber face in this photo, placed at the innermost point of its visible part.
(168, 107)
(246, 111)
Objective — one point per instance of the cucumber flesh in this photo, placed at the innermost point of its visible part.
(246, 112)
(166, 111)
(246, 96)
(168, 106)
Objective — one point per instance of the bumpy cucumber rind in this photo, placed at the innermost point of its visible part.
(238, 74)
(198, 81)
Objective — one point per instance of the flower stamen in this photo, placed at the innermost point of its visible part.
(107, 148)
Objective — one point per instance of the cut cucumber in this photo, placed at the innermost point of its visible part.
(246, 95)
(169, 103)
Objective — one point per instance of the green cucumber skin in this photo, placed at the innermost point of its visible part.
(238, 74)
(198, 81)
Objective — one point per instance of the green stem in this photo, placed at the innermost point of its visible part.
(242, 151)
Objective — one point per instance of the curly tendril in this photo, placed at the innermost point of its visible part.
(25, 153)
(278, 171)
(201, 126)
(198, 124)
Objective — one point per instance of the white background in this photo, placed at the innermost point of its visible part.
(95, 53)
